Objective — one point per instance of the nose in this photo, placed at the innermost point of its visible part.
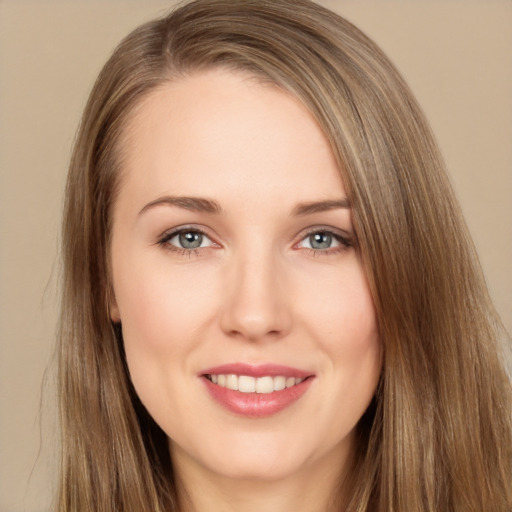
(256, 305)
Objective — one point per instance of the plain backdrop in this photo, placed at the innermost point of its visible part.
(455, 54)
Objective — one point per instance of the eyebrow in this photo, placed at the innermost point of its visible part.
(201, 204)
(195, 204)
(320, 206)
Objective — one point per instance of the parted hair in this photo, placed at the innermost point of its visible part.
(438, 435)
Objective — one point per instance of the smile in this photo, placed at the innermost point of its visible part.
(256, 391)
(249, 384)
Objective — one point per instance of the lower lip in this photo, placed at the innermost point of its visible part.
(257, 405)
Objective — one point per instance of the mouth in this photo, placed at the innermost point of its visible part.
(256, 391)
(248, 384)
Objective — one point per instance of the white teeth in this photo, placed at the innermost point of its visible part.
(247, 384)
(232, 382)
(264, 385)
(279, 383)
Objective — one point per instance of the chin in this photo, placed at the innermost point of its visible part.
(261, 469)
(266, 457)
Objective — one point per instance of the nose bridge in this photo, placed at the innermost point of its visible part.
(256, 305)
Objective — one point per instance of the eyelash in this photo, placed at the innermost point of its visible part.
(345, 242)
(181, 251)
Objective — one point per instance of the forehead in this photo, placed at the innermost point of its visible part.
(225, 133)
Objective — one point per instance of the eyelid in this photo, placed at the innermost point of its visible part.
(345, 238)
(167, 235)
(204, 239)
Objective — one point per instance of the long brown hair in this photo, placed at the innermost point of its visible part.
(438, 435)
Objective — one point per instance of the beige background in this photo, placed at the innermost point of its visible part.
(456, 55)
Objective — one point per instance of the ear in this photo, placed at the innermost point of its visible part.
(113, 310)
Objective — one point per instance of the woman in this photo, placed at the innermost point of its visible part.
(270, 297)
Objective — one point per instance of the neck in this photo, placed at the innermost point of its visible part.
(315, 488)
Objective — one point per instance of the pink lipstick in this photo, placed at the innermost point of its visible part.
(256, 391)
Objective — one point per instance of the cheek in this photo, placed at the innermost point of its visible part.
(342, 320)
(358, 346)
(342, 309)
(155, 299)
(162, 310)
(163, 316)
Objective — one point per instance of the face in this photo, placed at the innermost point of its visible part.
(249, 329)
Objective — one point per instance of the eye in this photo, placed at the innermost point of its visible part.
(323, 240)
(186, 239)
(320, 240)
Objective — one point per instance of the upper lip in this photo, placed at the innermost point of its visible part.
(258, 370)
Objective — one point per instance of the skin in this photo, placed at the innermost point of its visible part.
(257, 291)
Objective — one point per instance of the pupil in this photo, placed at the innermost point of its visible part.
(320, 241)
(191, 240)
